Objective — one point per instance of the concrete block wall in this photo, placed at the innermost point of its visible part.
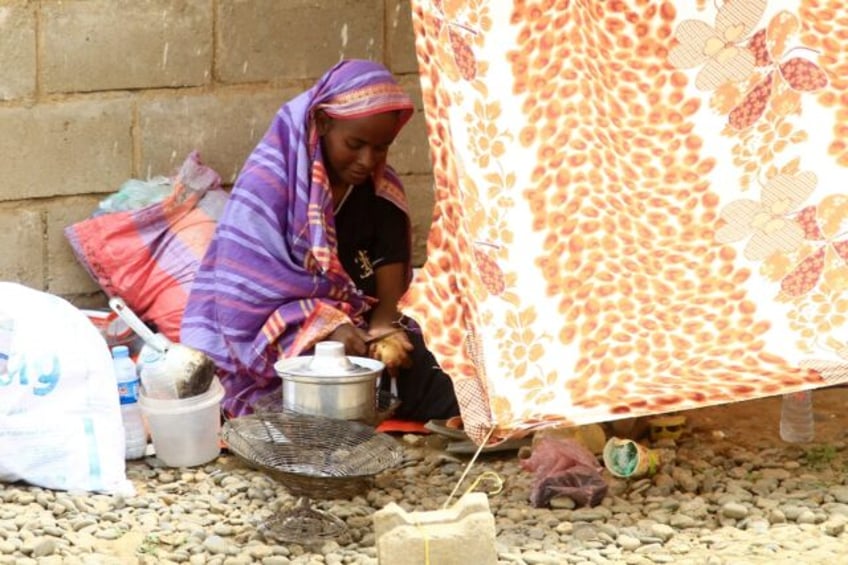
(94, 92)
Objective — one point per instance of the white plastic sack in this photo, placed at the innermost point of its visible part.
(60, 419)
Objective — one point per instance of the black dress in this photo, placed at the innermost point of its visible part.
(371, 232)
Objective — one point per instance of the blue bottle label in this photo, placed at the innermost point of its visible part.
(128, 392)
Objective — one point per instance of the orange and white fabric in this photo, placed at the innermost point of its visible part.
(640, 206)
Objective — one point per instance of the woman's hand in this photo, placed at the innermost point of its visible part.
(392, 350)
(352, 338)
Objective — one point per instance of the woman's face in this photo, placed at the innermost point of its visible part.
(353, 148)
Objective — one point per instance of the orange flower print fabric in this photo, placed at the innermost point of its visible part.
(639, 205)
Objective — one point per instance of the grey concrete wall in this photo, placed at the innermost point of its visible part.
(94, 92)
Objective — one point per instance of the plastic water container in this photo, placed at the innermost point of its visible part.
(155, 380)
(135, 435)
(185, 431)
(796, 417)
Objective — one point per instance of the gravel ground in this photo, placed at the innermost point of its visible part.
(729, 492)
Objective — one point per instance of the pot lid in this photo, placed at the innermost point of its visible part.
(329, 360)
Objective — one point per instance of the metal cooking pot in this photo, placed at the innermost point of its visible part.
(330, 384)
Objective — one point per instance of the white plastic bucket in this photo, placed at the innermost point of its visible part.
(185, 431)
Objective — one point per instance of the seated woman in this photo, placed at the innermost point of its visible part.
(314, 244)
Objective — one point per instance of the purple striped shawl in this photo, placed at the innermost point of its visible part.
(271, 283)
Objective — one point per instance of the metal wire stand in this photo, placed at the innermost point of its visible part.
(313, 457)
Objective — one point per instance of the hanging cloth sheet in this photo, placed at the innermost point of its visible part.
(640, 206)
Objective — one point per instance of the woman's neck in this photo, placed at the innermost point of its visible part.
(340, 194)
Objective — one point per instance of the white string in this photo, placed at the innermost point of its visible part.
(468, 467)
(343, 200)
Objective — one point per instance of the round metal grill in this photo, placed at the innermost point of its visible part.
(310, 455)
(302, 524)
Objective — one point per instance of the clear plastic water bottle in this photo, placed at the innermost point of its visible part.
(154, 376)
(796, 417)
(134, 432)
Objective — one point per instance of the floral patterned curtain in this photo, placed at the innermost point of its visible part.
(640, 206)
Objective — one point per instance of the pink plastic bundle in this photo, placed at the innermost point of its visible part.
(149, 256)
(563, 467)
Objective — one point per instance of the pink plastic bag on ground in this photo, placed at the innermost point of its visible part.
(563, 467)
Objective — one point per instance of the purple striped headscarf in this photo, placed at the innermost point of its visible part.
(271, 283)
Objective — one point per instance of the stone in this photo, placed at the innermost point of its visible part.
(276, 560)
(89, 143)
(23, 229)
(628, 543)
(410, 152)
(464, 533)
(685, 479)
(17, 51)
(224, 128)
(539, 558)
(65, 275)
(806, 517)
(103, 45)
(839, 492)
(734, 510)
(419, 194)
(44, 547)
(216, 545)
(662, 531)
(401, 40)
(834, 526)
(352, 29)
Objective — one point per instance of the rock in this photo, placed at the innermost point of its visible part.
(628, 543)
(776, 516)
(734, 510)
(276, 560)
(216, 545)
(662, 531)
(44, 546)
(564, 528)
(591, 514)
(108, 533)
(682, 521)
(223, 530)
(806, 517)
(685, 479)
(834, 526)
(776, 474)
(562, 502)
(539, 558)
(839, 492)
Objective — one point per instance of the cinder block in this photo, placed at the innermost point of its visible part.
(268, 39)
(65, 276)
(66, 148)
(419, 193)
(17, 50)
(410, 153)
(461, 535)
(114, 44)
(401, 37)
(224, 128)
(22, 260)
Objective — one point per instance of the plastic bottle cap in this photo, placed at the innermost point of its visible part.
(120, 351)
